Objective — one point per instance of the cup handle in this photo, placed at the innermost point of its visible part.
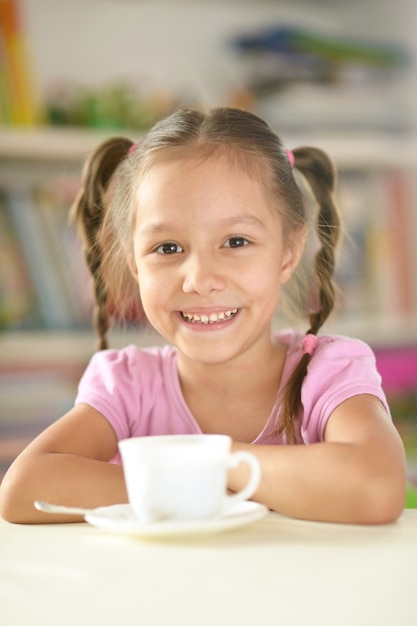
(255, 476)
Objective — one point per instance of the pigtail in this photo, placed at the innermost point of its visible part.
(319, 172)
(87, 213)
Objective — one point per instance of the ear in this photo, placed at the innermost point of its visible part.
(293, 254)
(130, 259)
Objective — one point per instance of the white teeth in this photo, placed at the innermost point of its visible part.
(213, 318)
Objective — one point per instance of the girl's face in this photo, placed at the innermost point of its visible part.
(209, 259)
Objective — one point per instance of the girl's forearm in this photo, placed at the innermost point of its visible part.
(330, 482)
(61, 479)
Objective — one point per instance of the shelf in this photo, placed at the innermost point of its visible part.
(48, 144)
(43, 348)
(66, 145)
(357, 151)
(379, 332)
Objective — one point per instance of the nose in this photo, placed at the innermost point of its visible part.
(202, 274)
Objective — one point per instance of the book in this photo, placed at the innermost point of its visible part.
(53, 201)
(18, 303)
(399, 221)
(20, 102)
(352, 274)
(378, 264)
(5, 104)
(53, 300)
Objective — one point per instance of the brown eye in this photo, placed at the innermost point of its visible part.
(236, 242)
(169, 248)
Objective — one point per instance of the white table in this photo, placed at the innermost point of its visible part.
(278, 572)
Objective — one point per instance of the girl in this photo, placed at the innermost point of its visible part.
(204, 224)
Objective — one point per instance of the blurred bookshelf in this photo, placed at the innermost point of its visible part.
(40, 172)
(49, 286)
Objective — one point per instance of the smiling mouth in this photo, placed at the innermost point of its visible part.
(212, 318)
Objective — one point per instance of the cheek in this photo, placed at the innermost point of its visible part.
(146, 285)
(149, 300)
(264, 284)
(153, 289)
(267, 274)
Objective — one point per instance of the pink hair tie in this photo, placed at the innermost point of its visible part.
(290, 156)
(309, 343)
(133, 147)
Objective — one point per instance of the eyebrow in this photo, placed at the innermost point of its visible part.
(235, 220)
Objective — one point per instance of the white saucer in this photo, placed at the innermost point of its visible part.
(119, 518)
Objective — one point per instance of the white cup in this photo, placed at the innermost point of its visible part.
(183, 477)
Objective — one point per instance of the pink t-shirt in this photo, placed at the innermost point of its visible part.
(138, 389)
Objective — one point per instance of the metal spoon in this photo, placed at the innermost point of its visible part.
(47, 507)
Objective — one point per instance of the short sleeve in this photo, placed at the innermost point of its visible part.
(110, 385)
(137, 391)
(340, 368)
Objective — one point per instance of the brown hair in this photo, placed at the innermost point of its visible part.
(104, 210)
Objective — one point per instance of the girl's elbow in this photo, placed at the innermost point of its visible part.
(384, 477)
(12, 506)
(8, 508)
(386, 511)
